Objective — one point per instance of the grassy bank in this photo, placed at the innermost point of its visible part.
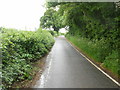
(20, 49)
(99, 51)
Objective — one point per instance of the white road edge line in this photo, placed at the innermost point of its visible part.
(95, 65)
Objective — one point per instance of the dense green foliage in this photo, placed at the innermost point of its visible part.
(97, 23)
(53, 33)
(19, 50)
(50, 20)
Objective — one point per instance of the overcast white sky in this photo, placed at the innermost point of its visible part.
(21, 14)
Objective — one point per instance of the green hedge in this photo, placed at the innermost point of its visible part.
(53, 33)
(19, 50)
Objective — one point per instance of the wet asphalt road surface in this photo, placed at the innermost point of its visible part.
(66, 68)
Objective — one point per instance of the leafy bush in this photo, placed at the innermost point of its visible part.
(19, 50)
(16, 70)
(53, 33)
(112, 62)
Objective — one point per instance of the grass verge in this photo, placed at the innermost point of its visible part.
(96, 51)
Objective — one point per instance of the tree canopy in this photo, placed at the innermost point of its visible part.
(91, 20)
(51, 20)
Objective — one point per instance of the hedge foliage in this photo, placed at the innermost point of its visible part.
(53, 33)
(19, 50)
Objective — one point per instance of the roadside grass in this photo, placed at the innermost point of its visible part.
(99, 52)
(112, 62)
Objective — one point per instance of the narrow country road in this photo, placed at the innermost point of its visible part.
(66, 68)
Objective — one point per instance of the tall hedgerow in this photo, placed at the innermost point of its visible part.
(19, 50)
